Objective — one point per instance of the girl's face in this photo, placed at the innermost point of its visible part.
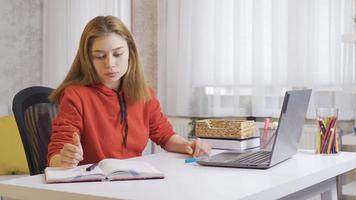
(110, 56)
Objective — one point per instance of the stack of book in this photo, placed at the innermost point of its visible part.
(228, 134)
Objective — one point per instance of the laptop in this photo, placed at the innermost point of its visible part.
(286, 138)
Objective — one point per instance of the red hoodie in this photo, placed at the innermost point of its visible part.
(94, 113)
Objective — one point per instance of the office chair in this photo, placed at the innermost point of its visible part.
(34, 113)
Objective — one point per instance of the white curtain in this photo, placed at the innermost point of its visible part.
(63, 23)
(238, 57)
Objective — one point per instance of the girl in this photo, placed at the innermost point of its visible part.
(106, 108)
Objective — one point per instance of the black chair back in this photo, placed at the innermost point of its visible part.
(34, 113)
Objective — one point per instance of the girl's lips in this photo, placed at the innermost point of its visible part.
(111, 74)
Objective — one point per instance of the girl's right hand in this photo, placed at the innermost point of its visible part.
(71, 154)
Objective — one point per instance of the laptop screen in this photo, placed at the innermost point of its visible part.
(290, 126)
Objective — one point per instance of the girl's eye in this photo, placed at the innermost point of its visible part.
(118, 54)
(99, 56)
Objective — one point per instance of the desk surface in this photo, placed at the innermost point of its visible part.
(192, 181)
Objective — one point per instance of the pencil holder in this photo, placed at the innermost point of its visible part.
(327, 138)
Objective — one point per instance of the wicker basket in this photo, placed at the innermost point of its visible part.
(223, 128)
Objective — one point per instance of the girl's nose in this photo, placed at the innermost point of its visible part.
(110, 61)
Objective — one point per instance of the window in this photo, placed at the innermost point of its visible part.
(237, 58)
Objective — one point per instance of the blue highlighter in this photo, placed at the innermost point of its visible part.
(191, 160)
(195, 159)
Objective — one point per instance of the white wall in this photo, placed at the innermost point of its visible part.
(20, 48)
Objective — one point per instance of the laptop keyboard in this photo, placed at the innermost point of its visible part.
(256, 158)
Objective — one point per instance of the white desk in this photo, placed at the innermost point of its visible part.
(305, 172)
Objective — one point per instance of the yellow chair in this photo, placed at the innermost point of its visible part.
(12, 155)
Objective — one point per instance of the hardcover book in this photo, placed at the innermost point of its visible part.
(233, 144)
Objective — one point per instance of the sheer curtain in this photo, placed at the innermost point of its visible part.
(238, 57)
(63, 23)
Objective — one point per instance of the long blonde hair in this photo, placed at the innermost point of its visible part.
(82, 71)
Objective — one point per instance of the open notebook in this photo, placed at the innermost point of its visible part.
(107, 169)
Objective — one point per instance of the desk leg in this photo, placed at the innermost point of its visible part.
(339, 186)
(330, 194)
(327, 189)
